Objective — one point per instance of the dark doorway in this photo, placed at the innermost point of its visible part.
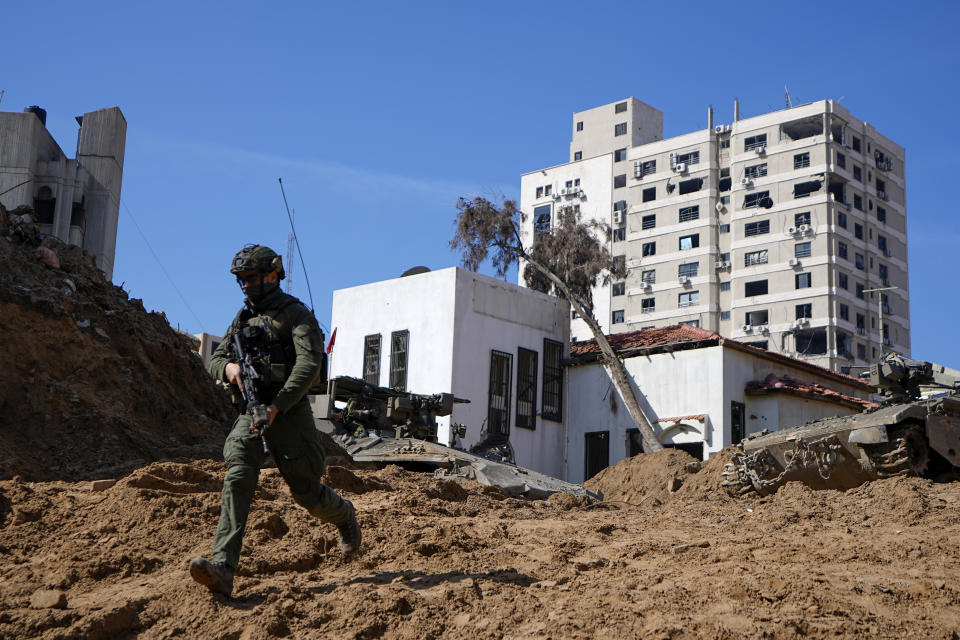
(597, 453)
(693, 448)
(634, 442)
(737, 422)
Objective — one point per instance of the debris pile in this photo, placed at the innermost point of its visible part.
(91, 383)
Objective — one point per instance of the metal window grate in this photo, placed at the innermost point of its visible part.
(689, 213)
(498, 407)
(755, 142)
(371, 359)
(801, 160)
(552, 394)
(399, 345)
(526, 388)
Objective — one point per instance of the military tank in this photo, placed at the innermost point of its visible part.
(915, 430)
(400, 428)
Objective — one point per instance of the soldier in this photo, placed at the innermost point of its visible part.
(358, 416)
(294, 342)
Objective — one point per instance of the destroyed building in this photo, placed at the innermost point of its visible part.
(74, 199)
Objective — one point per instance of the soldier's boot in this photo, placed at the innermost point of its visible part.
(216, 576)
(349, 531)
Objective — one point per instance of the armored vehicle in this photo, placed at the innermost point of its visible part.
(380, 426)
(914, 431)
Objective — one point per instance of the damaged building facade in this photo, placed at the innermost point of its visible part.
(74, 199)
(777, 230)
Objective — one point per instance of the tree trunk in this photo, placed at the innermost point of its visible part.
(612, 363)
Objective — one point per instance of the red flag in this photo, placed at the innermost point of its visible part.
(333, 338)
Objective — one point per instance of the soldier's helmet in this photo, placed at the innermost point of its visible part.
(257, 257)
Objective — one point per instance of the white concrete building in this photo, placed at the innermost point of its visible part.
(75, 199)
(700, 391)
(489, 341)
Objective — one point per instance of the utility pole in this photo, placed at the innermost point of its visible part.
(880, 312)
(291, 240)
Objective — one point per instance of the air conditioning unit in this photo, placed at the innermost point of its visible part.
(564, 191)
(882, 195)
(719, 207)
(722, 264)
(637, 171)
(887, 164)
(680, 167)
(747, 328)
(647, 286)
(791, 230)
(802, 322)
(760, 150)
(804, 228)
(745, 181)
(763, 328)
(618, 217)
(718, 128)
(794, 262)
(683, 280)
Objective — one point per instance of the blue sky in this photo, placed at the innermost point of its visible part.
(379, 115)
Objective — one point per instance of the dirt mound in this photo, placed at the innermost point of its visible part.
(645, 475)
(92, 384)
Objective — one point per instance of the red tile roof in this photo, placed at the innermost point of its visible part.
(773, 384)
(624, 343)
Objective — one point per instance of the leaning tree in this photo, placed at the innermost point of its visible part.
(567, 259)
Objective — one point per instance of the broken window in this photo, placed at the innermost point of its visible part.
(617, 317)
(620, 181)
(498, 406)
(802, 281)
(541, 219)
(620, 234)
(756, 228)
(688, 269)
(620, 155)
(725, 183)
(688, 299)
(756, 318)
(371, 359)
(526, 388)
(45, 205)
(836, 189)
(78, 215)
(755, 142)
(399, 346)
(758, 199)
(811, 342)
(755, 288)
(648, 305)
(755, 257)
(618, 288)
(801, 160)
(756, 171)
(649, 248)
(804, 189)
(691, 241)
(620, 129)
(801, 218)
(690, 186)
(689, 213)
(648, 221)
(693, 157)
(800, 129)
(801, 250)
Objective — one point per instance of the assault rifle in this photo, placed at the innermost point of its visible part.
(248, 376)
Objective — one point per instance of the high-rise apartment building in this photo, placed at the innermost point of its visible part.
(786, 230)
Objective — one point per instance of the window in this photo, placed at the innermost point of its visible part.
(724, 228)
(688, 299)
(617, 317)
(724, 184)
(756, 228)
(856, 144)
(620, 234)
(725, 286)
(620, 107)
(802, 281)
(811, 342)
(620, 181)
(648, 305)
(858, 261)
(860, 291)
(844, 312)
(857, 173)
(618, 288)
(882, 243)
(498, 406)
(547, 189)
(399, 347)
(689, 213)
(580, 126)
(620, 129)
(842, 280)
(539, 192)
(842, 220)
(756, 171)
(725, 143)
(755, 142)
(801, 218)
(841, 161)
(526, 388)
(755, 288)
(371, 359)
(690, 186)
(862, 323)
(858, 202)
(45, 205)
(620, 205)
(801, 250)
(756, 318)
(881, 188)
(881, 214)
(884, 274)
(648, 221)
(758, 199)
(693, 157)
(755, 257)
(620, 262)
(688, 269)
(861, 352)
(858, 231)
(648, 167)
(551, 407)
(804, 189)
(724, 315)
(648, 276)
(649, 194)
(725, 256)
(541, 219)
(689, 242)
(620, 155)
(801, 160)
(577, 155)
(649, 248)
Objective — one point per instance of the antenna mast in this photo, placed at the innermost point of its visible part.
(786, 97)
(291, 243)
(293, 232)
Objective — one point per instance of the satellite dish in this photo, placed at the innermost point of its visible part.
(413, 271)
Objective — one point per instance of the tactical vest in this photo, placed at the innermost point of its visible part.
(273, 354)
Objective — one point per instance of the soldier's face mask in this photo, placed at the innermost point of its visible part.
(256, 285)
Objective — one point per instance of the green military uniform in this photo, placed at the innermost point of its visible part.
(357, 422)
(292, 438)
